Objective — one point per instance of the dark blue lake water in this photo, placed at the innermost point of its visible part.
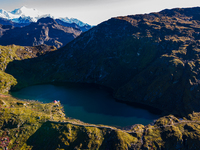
(88, 104)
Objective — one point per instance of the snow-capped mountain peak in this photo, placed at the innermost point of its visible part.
(4, 13)
(73, 20)
(25, 15)
(27, 12)
(17, 11)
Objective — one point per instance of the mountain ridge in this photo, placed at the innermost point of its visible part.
(28, 15)
(44, 31)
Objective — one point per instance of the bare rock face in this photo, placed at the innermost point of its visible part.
(45, 31)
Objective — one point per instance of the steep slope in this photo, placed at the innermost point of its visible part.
(45, 31)
(13, 52)
(151, 59)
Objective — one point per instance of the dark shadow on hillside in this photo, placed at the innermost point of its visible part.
(44, 138)
(41, 71)
(33, 71)
(54, 135)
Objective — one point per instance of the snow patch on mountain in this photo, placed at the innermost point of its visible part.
(23, 11)
(74, 20)
(3, 13)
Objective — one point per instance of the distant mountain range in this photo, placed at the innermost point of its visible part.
(25, 15)
(29, 27)
(45, 31)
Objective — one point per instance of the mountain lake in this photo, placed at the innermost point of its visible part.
(88, 104)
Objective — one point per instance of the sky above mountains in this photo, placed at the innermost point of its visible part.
(95, 11)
